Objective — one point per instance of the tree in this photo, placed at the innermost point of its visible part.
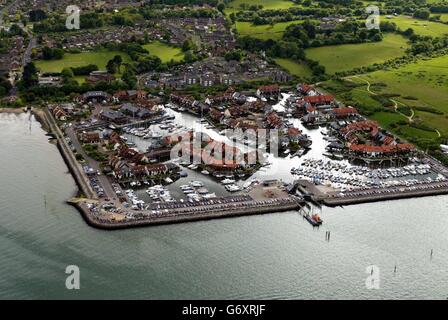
(221, 6)
(422, 14)
(111, 67)
(118, 61)
(5, 86)
(84, 70)
(187, 45)
(409, 32)
(37, 15)
(29, 76)
(190, 57)
(52, 54)
(236, 55)
(129, 77)
(67, 73)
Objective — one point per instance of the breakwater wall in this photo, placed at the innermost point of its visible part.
(343, 201)
(114, 225)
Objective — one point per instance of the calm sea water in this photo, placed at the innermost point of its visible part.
(273, 256)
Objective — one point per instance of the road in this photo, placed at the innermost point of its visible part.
(27, 54)
(95, 165)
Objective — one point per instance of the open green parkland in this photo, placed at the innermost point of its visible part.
(73, 60)
(415, 96)
(295, 68)
(267, 4)
(346, 57)
(420, 27)
(423, 86)
(165, 52)
(265, 31)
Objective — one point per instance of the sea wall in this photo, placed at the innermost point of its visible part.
(114, 225)
(73, 165)
(343, 201)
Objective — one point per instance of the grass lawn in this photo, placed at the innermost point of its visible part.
(265, 31)
(295, 68)
(443, 16)
(440, 122)
(426, 80)
(415, 132)
(100, 58)
(420, 27)
(234, 6)
(164, 52)
(386, 118)
(80, 79)
(348, 56)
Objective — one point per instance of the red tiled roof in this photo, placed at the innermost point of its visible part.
(293, 132)
(270, 88)
(319, 99)
(345, 111)
(381, 149)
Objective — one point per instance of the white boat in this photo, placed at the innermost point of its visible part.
(202, 191)
(232, 188)
(196, 184)
(209, 196)
(228, 181)
(156, 135)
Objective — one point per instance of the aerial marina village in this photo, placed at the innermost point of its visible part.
(165, 113)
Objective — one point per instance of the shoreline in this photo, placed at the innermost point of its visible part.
(50, 126)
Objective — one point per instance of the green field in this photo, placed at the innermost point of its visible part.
(354, 93)
(267, 4)
(165, 52)
(420, 27)
(348, 56)
(415, 132)
(100, 58)
(386, 118)
(295, 68)
(443, 16)
(426, 80)
(420, 85)
(265, 31)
